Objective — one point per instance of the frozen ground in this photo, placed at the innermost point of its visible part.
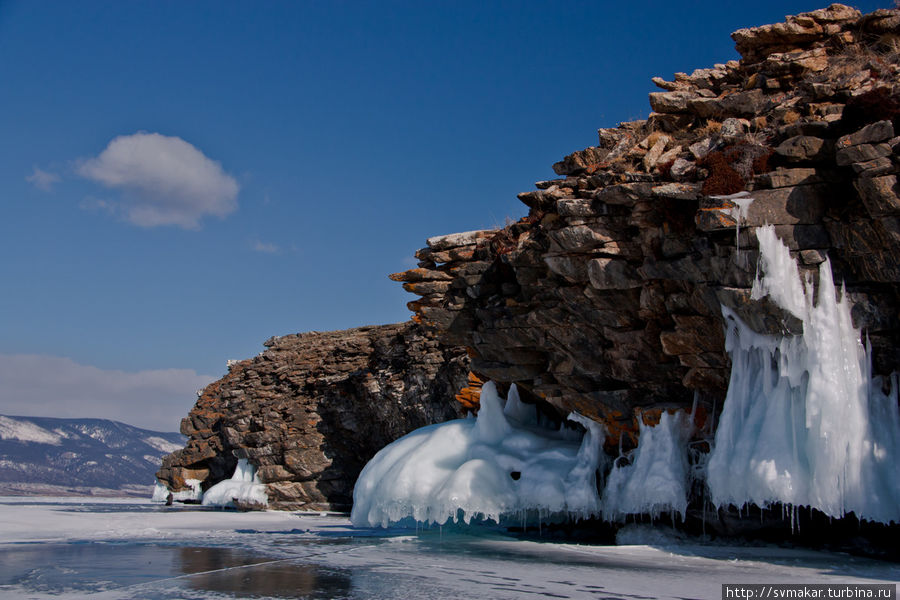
(72, 548)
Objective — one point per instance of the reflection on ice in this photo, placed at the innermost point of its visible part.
(163, 571)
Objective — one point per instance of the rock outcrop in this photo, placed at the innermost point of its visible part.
(606, 298)
(313, 408)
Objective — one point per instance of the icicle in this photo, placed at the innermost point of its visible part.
(657, 478)
(742, 202)
(804, 423)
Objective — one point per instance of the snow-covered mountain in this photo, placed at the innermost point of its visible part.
(42, 455)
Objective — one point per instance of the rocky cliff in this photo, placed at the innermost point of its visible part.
(313, 408)
(607, 297)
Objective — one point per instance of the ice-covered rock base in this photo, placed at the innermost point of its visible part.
(192, 494)
(500, 464)
(243, 490)
(804, 424)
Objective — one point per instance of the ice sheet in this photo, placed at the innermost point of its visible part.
(309, 555)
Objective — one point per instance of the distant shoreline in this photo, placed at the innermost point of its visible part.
(38, 489)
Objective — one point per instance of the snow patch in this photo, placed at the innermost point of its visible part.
(65, 434)
(804, 423)
(23, 431)
(500, 464)
(162, 444)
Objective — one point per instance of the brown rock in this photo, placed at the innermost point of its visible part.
(612, 274)
(881, 195)
(870, 134)
(804, 148)
(671, 102)
(313, 408)
(861, 153)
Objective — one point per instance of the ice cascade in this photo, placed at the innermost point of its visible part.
(804, 423)
(658, 478)
(243, 489)
(501, 464)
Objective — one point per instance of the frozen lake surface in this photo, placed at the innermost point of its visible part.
(111, 548)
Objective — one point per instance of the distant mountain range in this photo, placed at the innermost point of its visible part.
(42, 455)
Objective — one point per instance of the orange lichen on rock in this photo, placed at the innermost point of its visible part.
(618, 427)
(470, 396)
(651, 417)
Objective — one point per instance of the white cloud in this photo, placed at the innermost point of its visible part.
(164, 180)
(265, 247)
(41, 179)
(51, 386)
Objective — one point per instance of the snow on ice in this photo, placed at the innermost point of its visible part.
(68, 548)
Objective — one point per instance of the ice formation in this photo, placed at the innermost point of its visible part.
(804, 423)
(741, 201)
(658, 478)
(501, 464)
(193, 494)
(244, 488)
(739, 212)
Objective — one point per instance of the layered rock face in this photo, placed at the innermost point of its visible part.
(607, 298)
(313, 408)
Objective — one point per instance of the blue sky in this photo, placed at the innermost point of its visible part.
(273, 165)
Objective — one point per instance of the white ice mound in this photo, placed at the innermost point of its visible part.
(500, 464)
(193, 493)
(244, 488)
(804, 423)
(658, 478)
